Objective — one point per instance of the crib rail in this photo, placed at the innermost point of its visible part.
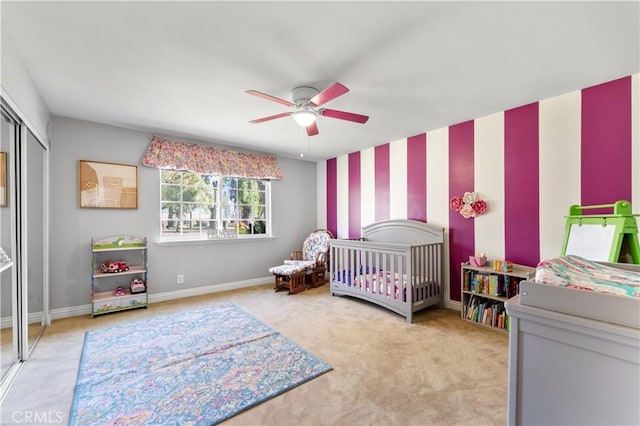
(355, 269)
(351, 259)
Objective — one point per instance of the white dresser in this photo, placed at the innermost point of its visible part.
(570, 370)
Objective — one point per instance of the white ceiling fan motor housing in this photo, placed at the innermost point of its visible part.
(302, 95)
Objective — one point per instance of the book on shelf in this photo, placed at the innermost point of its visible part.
(493, 285)
(489, 284)
(472, 308)
(499, 314)
(485, 284)
(502, 285)
(485, 311)
(512, 285)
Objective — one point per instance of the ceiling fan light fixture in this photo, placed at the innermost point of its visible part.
(305, 117)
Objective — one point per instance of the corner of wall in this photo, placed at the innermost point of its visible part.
(321, 191)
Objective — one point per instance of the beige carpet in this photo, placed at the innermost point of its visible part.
(438, 371)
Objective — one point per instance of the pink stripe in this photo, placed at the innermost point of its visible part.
(354, 195)
(605, 162)
(461, 230)
(382, 182)
(332, 196)
(417, 177)
(521, 185)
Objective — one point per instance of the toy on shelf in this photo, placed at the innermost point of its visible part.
(137, 286)
(478, 260)
(502, 266)
(109, 266)
(120, 291)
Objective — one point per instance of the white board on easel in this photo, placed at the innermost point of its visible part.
(602, 237)
(591, 241)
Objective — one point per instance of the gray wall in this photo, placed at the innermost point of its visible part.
(203, 264)
(20, 91)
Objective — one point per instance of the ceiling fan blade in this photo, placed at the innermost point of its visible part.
(270, 98)
(312, 129)
(271, 117)
(342, 115)
(328, 94)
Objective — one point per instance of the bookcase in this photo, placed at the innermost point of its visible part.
(484, 291)
(116, 264)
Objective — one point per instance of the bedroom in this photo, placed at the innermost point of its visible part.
(554, 116)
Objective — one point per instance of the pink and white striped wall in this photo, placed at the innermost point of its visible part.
(529, 163)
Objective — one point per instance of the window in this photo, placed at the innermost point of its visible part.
(194, 206)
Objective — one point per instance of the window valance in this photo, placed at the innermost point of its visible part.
(202, 159)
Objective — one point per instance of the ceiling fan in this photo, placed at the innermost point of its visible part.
(306, 105)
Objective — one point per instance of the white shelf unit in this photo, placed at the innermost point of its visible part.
(484, 291)
(132, 250)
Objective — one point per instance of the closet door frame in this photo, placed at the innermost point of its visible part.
(17, 200)
(20, 210)
(23, 239)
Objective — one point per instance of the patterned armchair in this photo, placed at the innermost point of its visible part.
(314, 256)
(311, 261)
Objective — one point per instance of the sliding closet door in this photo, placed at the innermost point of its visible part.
(23, 236)
(8, 277)
(34, 276)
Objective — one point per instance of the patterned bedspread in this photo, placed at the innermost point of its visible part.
(576, 272)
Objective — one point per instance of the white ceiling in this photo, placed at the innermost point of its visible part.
(181, 68)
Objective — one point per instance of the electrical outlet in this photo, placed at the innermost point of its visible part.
(180, 279)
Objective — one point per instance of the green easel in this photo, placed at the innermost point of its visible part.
(603, 237)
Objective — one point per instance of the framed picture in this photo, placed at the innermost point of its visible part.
(107, 185)
(3, 179)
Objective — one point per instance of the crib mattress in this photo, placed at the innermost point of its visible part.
(576, 286)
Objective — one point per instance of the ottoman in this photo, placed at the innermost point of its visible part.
(289, 277)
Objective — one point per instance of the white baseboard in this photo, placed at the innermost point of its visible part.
(7, 322)
(453, 304)
(199, 291)
(75, 311)
(169, 295)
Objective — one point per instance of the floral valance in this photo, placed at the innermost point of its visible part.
(204, 159)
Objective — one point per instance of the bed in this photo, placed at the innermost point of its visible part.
(397, 264)
(574, 344)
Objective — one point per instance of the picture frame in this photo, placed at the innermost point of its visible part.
(107, 185)
(3, 179)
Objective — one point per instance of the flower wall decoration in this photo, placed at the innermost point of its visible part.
(468, 205)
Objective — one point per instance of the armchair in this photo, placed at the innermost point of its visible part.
(311, 261)
(314, 256)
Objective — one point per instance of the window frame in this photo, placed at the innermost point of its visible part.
(218, 233)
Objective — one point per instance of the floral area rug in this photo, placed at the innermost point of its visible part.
(197, 367)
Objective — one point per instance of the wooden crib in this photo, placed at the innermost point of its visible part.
(397, 264)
